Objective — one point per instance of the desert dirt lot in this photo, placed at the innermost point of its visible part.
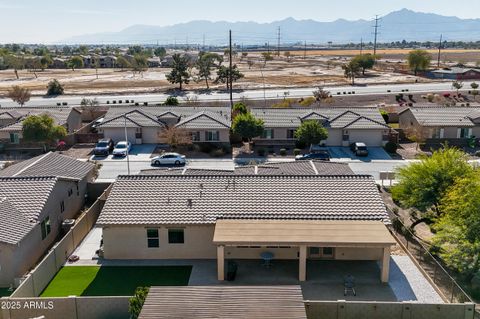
(320, 67)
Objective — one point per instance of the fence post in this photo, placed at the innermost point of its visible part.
(435, 272)
(453, 289)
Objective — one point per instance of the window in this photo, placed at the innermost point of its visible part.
(176, 236)
(78, 190)
(346, 136)
(152, 238)
(138, 132)
(14, 139)
(45, 227)
(438, 132)
(327, 251)
(62, 206)
(464, 132)
(212, 136)
(314, 251)
(70, 192)
(195, 136)
(268, 134)
(290, 133)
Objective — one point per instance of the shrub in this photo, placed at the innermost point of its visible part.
(297, 151)
(171, 101)
(284, 104)
(283, 152)
(217, 153)
(300, 144)
(206, 147)
(430, 97)
(307, 101)
(261, 152)
(391, 147)
(54, 88)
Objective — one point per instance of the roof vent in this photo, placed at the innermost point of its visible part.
(189, 203)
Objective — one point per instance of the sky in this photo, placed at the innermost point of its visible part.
(34, 21)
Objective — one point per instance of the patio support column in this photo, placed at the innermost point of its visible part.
(221, 262)
(302, 263)
(385, 264)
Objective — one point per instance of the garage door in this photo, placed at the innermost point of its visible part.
(369, 137)
(118, 134)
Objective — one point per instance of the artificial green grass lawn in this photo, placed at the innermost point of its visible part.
(5, 292)
(113, 280)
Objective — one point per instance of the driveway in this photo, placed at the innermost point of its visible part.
(345, 154)
(140, 152)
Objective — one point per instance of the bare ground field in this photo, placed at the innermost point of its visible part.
(322, 67)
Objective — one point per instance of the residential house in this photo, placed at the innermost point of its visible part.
(224, 216)
(36, 196)
(455, 73)
(11, 132)
(154, 62)
(146, 124)
(59, 63)
(344, 125)
(455, 124)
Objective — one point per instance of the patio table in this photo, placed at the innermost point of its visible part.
(267, 257)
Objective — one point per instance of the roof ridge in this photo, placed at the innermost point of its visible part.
(197, 115)
(240, 176)
(46, 177)
(366, 118)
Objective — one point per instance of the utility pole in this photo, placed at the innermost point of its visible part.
(376, 35)
(278, 42)
(230, 75)
(361, 46)
(268, 47)
(305, 51)
(439, 50)
(126, 141)
(203, 47)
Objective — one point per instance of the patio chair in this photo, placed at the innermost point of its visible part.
(349, 285)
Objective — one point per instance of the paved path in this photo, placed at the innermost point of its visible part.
(408, 283)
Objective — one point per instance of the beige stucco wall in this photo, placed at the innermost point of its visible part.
(26, 254)
(117, 134)
(74, 121)
(344, 253)
(224, 135)
(130, 242)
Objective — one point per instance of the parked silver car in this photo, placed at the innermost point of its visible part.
(122, 148)
(169, 159)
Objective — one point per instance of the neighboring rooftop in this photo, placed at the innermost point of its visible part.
(334, 117)
(151, 200)
(445, 116)
(59, 115)
(195, 302)
(21, 201)
(281, 168)
(49, 164)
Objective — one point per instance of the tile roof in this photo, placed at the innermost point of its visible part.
(21, 202)
(156, 200)
(334, 117)
(50, 164)
(59, 115)
(191, 114)
(204, 120)
(445, 116)
(282, 168)
(135, 118)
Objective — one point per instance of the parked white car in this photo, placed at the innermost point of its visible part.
(122, 148)
(169, 159)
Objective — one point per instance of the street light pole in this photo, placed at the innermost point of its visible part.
(126, 139)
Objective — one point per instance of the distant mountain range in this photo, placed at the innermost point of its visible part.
(396, 26)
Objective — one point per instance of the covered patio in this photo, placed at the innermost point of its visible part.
(357, 240)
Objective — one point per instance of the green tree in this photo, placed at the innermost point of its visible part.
(179, 74)
(311, 132)
(457, 85)
(139, 63)
(474, 87)
(267, 56)
(419, 60)
(42, 128)
(205, 63)
(54, 88)
(160, 52)
(247, 126)
(239, 108)
(136, 302)
(223, 74)
(364, 61)
(123, 63)
(351, 70)
(458, 230)
(83, 49)
(423, 184)
(46, 61)
(75, 62)
(19, 94)
(15, 63)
